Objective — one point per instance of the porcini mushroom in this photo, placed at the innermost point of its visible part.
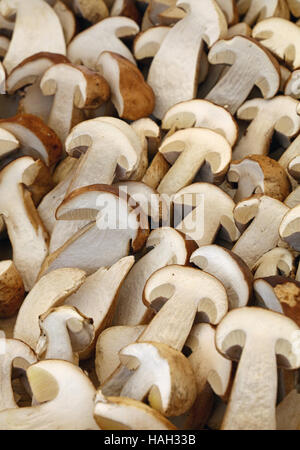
(11, 289)
(277, 114)
(35, 22)
(187, 150)
(278, 261)
(290, 227)
(251, 65)
(262, 335)
(227, 267)
(65, 397)
(51, 290)
(8, 143)
(257, 10)
(122, 75)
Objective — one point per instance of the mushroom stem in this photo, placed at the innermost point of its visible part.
(251, 384)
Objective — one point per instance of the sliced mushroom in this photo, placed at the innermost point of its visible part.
(150, 136)
(281, 37)
(37, 29)
(174, 70)
(97, 297)
(265, 215)
(11, 289)
(294, 168)
(8, 143)
(117, 413)
(241, 28)
(258, 10)
(65, 397)
(278, 114)
(165, 246)
(251, 65)
(125, 8)
(203, 114)
(121, 74)
(88, 45)
(67, 20)
(147, 43)
(206, 210)
(72, 87)
(262, 335)
(171, 16)
(279, 294)
(293, 199)
(229, 8)
(92, 10)
(227, 267)
(187, 150)
(64, 333)
(161, 374)
(258, 174)
(279, 261)
(51, 290)
(156, 171)
(109, 343)
(290, 228)
(36, 138)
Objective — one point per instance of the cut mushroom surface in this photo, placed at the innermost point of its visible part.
(279, 261)
(290, 228)
(258, 10)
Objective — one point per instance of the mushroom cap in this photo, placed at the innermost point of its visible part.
(229, 269)
(243, 324)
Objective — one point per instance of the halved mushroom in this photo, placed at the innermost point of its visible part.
(35, 23)
(122, 75)
(258, 10)
(147, 43)
(294, 168)
(288, 411)
(64, 333)
(251, 65)
(114, 228)
(203, 114)
(173, 73)
(109, 343)
(264, 215)
(118, 413)
(279, 261)
(35, 137)
(67, 19)
(293, 199)
(51, 290)
(171, 16)
(11, 289)
(92, 10)
(212, 372)
(188, 150)
(279, 294)
(206, 211)
(12, 350)
(26, 232)
(262, 335)
(88, 45)
(278, 114)
(294, 6)
(289, 229)
(229, 9)
(65, 397)
(8, 143)
(160, 374)
(258, 174)
(165, 246)
(227, 267)
(72, 87)
(97, 297)
(281, 37)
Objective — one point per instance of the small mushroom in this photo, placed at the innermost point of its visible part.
(279, 294)
(203, 114)
(50, 291)
(88, 45)
(65, 397)
(251, 65)
(72, 87)
(264, 215)
(278, 261)
(11, 289)
(119, 413)
(290, 228)
(122, 75)
(227, 267)
(64, 333)
(281, 37)
(35, 23)
(109, 343)
(13, 350)
(165, 246)
(278, 114)
(187, 150)
(201, 221)
(258, 174)
(258, 10)
(170, 388)
(262, 336)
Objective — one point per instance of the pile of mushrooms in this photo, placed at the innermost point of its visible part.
(149, 214)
